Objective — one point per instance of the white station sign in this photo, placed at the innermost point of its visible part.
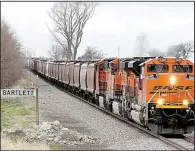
(18, 92)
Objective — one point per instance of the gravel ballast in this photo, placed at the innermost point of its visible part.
(74, 114)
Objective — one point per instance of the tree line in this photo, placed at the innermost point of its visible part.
(12, 57)
(181, 50)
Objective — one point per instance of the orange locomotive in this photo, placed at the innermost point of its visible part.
(157, 93)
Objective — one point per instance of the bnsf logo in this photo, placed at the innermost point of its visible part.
(158, 87)
(172, 87)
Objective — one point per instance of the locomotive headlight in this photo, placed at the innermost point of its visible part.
(185, 102)
(172, 80)
(160, 101)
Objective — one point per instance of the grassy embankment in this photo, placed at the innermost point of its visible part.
(13, 112)
(17, 116)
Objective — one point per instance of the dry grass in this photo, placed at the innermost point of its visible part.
(12, 114)
(23, 83)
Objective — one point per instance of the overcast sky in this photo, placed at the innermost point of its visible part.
(113, 24)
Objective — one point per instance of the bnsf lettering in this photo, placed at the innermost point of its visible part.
(172, 88)
(157, 87)
(189, 87)
(180, 87)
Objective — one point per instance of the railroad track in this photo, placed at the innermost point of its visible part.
(189, 139)
(185, 143)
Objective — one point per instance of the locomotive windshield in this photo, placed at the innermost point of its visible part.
(182, 68)
(158, 68)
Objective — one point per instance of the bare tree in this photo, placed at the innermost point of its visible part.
(92, 53)
(29, 53)
(56, 52)
(70, 19)
(172, 51)
(183, 50)
(12, 60)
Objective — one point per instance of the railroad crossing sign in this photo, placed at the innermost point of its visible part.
(18, 92)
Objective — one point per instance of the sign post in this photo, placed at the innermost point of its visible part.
(37, 107)
(37, 104)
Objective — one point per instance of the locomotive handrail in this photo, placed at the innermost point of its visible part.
(190, 96)
(151, 98)
(158, 91)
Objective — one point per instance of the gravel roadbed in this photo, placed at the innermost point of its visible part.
(79, 116)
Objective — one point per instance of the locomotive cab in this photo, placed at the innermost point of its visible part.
(168, 88)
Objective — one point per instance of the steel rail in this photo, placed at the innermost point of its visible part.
(189, 139)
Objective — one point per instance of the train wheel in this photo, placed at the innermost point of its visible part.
(88, 98)
(93, 100)
(79, 94)
(82, 95)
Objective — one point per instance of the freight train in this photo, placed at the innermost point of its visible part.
(155, 92)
